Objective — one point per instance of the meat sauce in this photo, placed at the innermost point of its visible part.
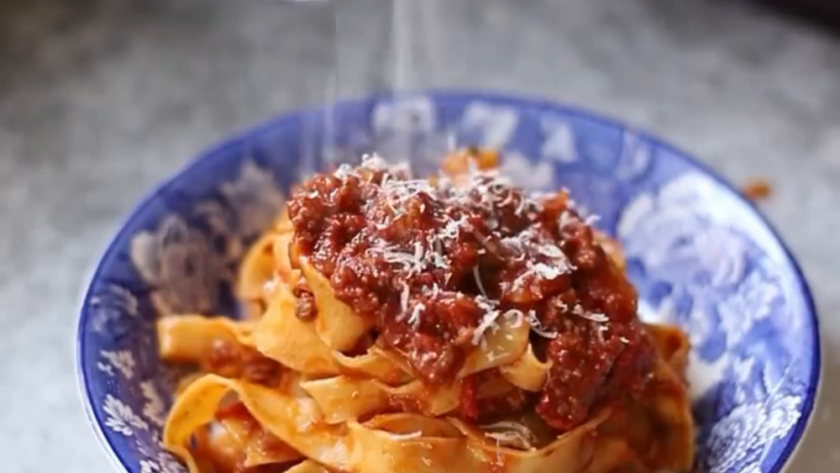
(232, 360)
(434, 264)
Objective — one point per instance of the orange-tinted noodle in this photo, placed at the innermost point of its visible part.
(456, 324)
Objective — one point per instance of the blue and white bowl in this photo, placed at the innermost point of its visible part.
(700, 255)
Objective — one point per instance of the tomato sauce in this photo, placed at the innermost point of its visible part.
(433, 264)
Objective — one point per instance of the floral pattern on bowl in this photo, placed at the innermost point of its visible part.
(699, 254)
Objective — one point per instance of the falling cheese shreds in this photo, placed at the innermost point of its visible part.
(565, 220)
(344, 171)
(374, 162)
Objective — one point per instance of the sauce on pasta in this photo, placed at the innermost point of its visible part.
(435, 263)
(394, 324)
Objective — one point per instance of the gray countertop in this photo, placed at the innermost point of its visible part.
(100, 99)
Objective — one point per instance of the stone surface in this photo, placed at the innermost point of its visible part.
(101, 99)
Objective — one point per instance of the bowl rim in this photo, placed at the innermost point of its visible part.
(218, 150)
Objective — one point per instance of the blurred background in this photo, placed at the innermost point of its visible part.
(101, 99)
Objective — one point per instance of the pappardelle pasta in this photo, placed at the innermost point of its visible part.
(451, 324)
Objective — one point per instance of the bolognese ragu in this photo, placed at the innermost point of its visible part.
(451, 324)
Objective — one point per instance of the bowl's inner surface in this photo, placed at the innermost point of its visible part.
(699, 255)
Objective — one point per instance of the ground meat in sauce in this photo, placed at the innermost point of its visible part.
(231, 360)
(477, 408)
(265, 441)
(430, 261)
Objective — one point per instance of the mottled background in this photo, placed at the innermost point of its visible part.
(100, 99)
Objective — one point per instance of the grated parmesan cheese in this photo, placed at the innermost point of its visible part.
(565, 220)
(547, 272)
(492, 356)
(511, 433)
(437, 255)
(536, 326)
(344, 171)
(404, 298)
(552, 251)
(488, 321)
(414, 320)
(452, 229)
(592, 219)
(593, 316)
(600, 332)
(493, 197)
(543, 270)
(374, 162)
(478, 281)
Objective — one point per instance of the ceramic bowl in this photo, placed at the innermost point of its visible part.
(700, 255)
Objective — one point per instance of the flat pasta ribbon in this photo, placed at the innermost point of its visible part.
(500, 347)
(308, 466)
(338, 326)
(256, 269)
(295, 343)
(189, 338)
(344, 398)
(259, 447)
(407, 443)
(527, 372)
(294, 420)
